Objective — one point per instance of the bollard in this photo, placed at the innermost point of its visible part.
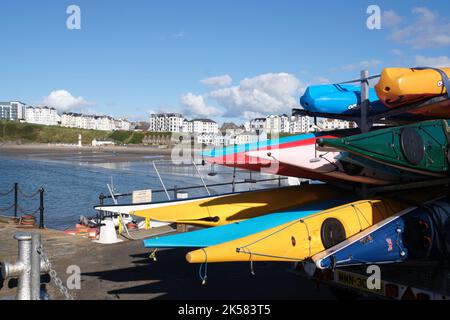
(28, 267)
(22, 268)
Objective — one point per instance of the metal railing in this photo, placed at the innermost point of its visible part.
(102, 197)
(17, 191)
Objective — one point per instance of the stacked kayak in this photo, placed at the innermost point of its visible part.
(329, 163)
(414, 233)
(240, 156)
(301, 238)
(219, 210)
(400, 86)
(213, 236)
(397, 87)
(301, 158)
(338, 99)
(421, 147)
(323, 223)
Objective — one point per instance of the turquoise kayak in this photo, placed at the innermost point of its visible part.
(216, 235)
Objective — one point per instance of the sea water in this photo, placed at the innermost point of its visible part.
(72, 188)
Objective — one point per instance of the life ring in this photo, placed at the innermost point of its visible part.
(27, 220)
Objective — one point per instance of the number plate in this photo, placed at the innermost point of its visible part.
(356, 281)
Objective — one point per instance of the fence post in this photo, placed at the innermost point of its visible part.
(41, 208)
(16, 203)
(175, 192)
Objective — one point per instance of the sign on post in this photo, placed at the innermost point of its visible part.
(141, 196)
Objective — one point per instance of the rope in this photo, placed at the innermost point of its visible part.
(6, 209)
(204, 276)
(2, 194)
(26, 195)
(445, 79)
(361, 79)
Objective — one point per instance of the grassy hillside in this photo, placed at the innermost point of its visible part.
(33, 133)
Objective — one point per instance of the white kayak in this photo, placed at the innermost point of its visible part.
(325, 162)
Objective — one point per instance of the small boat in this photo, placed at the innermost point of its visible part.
(216, 235)
(301, 238)
(219, 210)
(414, 233)
(421, 147)
(338, 99)
(401, 86)
(328, 163)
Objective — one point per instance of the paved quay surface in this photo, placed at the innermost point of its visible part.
(124, 271)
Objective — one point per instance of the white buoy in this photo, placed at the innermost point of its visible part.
(108, 233)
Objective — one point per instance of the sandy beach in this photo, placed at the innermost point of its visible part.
(91, 154)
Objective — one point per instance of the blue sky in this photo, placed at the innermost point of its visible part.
(134, 57)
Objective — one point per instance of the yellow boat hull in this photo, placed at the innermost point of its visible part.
(300, 239)
(222, 210)
(399, 86)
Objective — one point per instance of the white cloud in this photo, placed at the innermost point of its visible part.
(362, 65)
(195, 105)
(425, 31)
(321, 80)
(266, 93)
(63, 100)
(390, 18)
(397, 52)
(249, 115)
(442, 61)
(220, 81)
(179, 34)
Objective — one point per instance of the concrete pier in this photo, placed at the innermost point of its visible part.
(124, 271)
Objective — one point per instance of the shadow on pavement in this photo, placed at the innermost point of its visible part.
(171, 277)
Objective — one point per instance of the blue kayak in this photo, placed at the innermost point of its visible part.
(338, 99)
(216, 235)
(415, 233)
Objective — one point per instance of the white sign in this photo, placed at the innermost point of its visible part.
(141, 196)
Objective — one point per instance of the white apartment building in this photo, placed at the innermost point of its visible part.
(277, 124)
(188, 126)
(219, 140)
(258, 124)
(91, 122)
(42, 115)
(204, 126)
(12, 110)
(200, 126)
(247, 137)
(299, 124)
(335, 124)
(166, 122)
(122, 125)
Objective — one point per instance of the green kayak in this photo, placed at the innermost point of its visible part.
(421, 147)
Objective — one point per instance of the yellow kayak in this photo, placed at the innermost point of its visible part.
(221, 210)
(399, 86)
(302, 238)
